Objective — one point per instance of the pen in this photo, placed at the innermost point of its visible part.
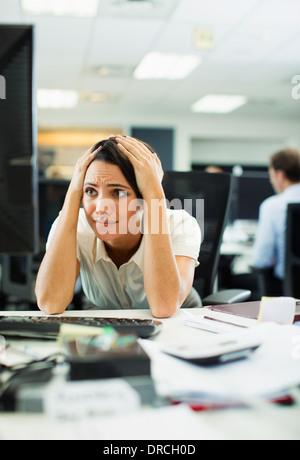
(224, 322)
(2, 350)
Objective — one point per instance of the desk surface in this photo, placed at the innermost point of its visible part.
(265, 422)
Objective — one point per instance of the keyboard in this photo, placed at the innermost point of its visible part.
(40, 327)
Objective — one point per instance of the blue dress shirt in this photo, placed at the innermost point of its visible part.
(269, 248)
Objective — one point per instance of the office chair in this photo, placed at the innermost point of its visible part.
(215, 190)
(291, 285)
(268, 284)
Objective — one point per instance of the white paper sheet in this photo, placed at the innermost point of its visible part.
(178, 423)
(274, 367)
(169, 423)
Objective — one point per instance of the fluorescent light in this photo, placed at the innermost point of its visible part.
(156, 66)
(94, 96)
(57, 99)
(127, 4)
(218, 104)
(79, 8)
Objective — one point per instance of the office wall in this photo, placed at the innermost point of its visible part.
(247, 141)
(161, 140)
(233, 151)
(188, 132)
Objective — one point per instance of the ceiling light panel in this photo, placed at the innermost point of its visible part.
(221, 104)
(113, 71)
(159, 66)
(149, 9)
(77, 8)
(146, 4)
(57, 99)
(98, 97)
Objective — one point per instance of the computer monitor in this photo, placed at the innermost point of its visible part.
(52, 193)
(19, 272)
(19, 232)
(251, 190)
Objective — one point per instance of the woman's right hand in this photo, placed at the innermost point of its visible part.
(82, 165)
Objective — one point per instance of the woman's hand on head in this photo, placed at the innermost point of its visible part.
(147, 166)
(81, 167)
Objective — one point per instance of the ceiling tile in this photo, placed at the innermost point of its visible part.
(213, 11)
(10, 11)
(122, 41)
(256, 51)
(281, 13)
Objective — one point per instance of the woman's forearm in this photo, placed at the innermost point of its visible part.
(59, 269)
(162, 280)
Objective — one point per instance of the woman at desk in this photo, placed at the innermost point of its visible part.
(130, 250)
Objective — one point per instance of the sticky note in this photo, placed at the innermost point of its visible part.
(75, 331)
(280, 310)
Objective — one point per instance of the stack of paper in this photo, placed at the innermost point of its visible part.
(273, 368)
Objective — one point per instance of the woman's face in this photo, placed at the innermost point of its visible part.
(109, 202)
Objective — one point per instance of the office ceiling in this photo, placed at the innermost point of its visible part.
(256, 53)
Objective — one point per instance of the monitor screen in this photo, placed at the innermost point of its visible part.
(18, 152)
(52, 195)
(251, 191)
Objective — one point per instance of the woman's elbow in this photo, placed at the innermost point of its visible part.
(164, 309)
(51, 309)
(166, 305)
(50, 306)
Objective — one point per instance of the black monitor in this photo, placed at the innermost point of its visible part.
(52, 194)
(251, 190)
(19, 232)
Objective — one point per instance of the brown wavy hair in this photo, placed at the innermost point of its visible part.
(110, 153)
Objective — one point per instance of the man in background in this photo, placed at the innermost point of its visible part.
(269, 248)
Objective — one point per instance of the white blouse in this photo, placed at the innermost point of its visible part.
(110, 288)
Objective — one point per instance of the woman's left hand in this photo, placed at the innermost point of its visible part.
(147, 165)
